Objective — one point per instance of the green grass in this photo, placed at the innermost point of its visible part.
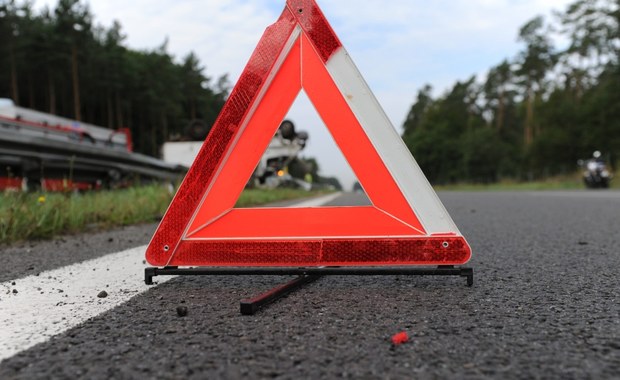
(26, 216)
(568, 182)
(257, 197)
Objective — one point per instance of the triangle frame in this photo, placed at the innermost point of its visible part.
(406, 224)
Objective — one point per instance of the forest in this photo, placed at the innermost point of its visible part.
(59, 61)
(533, 115)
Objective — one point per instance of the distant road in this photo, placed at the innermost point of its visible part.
(544, 304)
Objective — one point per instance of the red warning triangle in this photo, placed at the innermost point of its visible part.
(406, 224)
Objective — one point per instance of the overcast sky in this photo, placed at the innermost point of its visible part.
(398, 45)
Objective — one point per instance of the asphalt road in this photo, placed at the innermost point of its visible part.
(545, 304)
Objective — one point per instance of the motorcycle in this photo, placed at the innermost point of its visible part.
(596, 175)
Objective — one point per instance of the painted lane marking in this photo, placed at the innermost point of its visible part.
(60, 299)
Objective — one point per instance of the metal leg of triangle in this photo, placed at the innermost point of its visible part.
(252, 305)
(305, 276)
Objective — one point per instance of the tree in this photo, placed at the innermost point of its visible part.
(9, 32)
(537, 114)
(498, 93)
(534, 64)
(435, 128)
(192, 83)
(415, 117)
(74, 25)
(592, 28)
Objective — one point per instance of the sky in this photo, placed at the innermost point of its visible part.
(398, 45)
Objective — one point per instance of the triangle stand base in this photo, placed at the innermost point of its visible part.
(305, 276)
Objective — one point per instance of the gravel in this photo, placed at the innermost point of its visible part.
(29, 258)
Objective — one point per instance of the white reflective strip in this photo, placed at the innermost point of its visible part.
(390, 147)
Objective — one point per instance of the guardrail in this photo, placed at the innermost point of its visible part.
(59, 159)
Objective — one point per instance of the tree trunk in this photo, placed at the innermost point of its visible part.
(535, 126)
(31, 97)
(529, 116)
(110, 120)
(153, 137)
(119, 111)
(141, 131)
(52, 93)
(499, 121)
(14, 88)
(164, 125)
(76, 84)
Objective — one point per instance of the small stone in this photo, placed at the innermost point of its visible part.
(614, 345)
(582, 242)
(13, 283)
(14, 291)
(110, 240)
(182, 311)
(102, 294)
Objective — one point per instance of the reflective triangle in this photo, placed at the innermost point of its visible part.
(406, 224)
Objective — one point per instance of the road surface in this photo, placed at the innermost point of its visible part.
(545, 304)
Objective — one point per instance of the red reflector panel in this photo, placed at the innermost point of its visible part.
(325, 252)
(314, 23)
(222, 134)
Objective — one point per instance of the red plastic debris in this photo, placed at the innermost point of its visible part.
(400, 338)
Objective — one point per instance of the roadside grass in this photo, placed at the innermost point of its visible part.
(257, 197)
(567, 182)
(30, 216)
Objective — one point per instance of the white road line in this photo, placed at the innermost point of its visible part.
(60, 299)
(318, 201)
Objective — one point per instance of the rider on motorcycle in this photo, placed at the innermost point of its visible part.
(596, 174)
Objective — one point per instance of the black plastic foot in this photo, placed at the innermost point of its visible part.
(149, 273)
(469, 273)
